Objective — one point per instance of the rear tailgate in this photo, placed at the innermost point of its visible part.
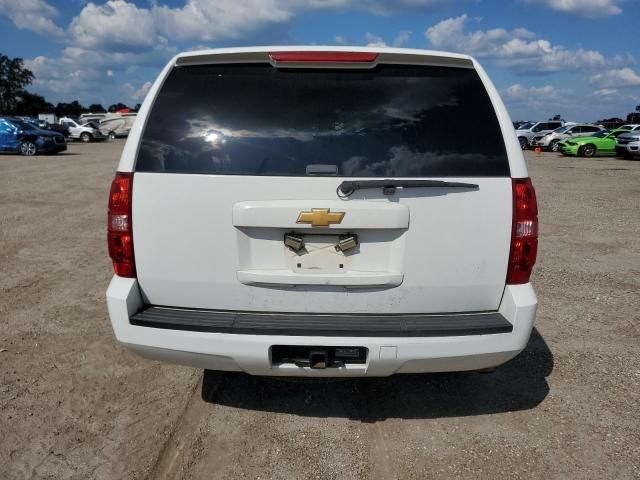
(226, 169)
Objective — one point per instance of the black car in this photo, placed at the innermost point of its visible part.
(18, 136)
(44, 125)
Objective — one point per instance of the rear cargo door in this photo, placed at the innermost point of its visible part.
(237, 205)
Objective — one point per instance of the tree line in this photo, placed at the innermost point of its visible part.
(16, 100)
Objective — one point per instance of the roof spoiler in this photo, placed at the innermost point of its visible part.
(326, 57)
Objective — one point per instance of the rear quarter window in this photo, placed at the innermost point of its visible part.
(392, 121)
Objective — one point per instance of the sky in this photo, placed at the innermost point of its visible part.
(577, 58)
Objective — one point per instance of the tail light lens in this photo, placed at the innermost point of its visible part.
(119, 231)
(524, 233)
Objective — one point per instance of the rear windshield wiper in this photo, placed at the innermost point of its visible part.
(346, 188)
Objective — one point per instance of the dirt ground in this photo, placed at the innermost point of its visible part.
(74, 404)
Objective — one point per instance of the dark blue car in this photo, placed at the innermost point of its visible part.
(18, 136)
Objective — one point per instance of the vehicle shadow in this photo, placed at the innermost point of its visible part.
(517, 385)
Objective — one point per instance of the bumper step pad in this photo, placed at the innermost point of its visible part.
(331, 325)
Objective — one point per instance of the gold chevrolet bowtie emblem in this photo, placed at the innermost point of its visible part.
(320, 217)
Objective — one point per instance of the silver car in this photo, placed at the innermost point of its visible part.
(628, 144)
(551, 141)
(527, 132)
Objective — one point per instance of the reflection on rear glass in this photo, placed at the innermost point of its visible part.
(393, 121)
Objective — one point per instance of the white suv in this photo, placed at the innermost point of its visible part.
(309, 211)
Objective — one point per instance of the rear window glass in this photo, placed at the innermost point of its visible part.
(392, 121)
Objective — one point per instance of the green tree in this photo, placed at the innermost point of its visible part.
(72, 109)
(96, 108)
(13, 79)
(31, 105)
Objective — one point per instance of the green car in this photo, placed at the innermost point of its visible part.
(601, 143)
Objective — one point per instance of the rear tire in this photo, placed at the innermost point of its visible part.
(523, 142)
(86, 137)
(112, 135)
(589, 150)
(28, 149)
(554, 146)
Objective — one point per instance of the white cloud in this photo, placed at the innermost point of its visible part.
(206, 20)
(340, 40)
(540, 102)
(374, 40)
(34, 15)
(582, 8)
(115, 25)
(616, 78)
(515, 49)
(120, 23)
(520, 93)
(605, 92)
(113, 58)
(402, 38)
(377, 7)
(377, 41)
(64, 78)
(138, 94)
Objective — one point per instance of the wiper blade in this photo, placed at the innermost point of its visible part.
(348, 187)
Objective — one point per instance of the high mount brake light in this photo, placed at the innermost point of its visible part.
(524, 232)
(324, 57)
(119, 231)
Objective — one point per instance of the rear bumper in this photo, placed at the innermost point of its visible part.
(388, 352)
(321, 325)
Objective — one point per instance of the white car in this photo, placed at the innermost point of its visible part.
(86, 132)
(531, 131)
(308, 211)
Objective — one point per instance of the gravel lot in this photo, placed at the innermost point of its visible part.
(73, 404)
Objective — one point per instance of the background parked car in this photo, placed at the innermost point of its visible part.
(551, 141)
(56, 127)
(18, 136)
(527, 132)
(603, 143)
(518, 123)
(35, 122)
(44, 125)
(87, 132)
(628, 144)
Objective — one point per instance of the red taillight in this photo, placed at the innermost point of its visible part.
(119, 231)
(524, 232)
(324, 57)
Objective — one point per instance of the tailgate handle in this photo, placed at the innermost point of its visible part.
(346, 188)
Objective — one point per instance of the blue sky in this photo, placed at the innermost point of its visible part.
(578, 58)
